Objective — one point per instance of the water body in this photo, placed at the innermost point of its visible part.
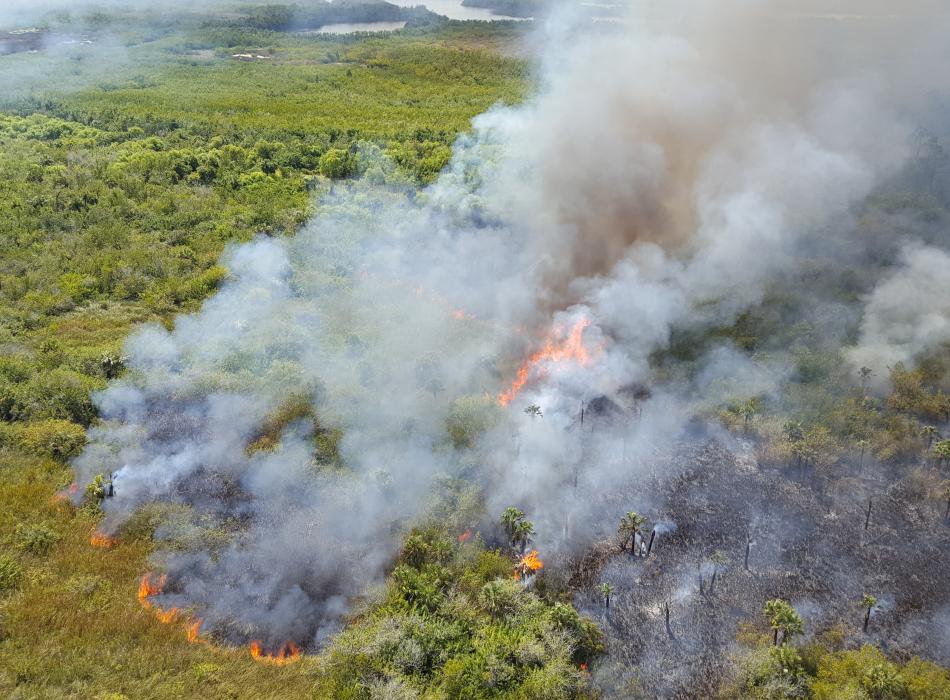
(453, 9)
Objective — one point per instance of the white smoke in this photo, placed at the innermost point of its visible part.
(657, 181)
(908, 313)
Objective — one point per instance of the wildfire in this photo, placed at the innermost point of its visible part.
(147, 589)
(167, 616)
(288, 653)
(193, 630)
(555, 351)
(527, 565)
(67, 493)
(465, 536)
(101, 539)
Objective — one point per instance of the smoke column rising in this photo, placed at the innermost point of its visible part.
(667, 169)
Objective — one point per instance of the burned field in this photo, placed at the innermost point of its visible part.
(727, 531)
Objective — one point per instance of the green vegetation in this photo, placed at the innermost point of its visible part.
(453, 623)
(122, 179)
(822, 670)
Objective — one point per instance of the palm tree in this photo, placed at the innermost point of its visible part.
(942, 451)
(747, 410)
(522, 534)
(605, 590)
(865, 373)
(868, 602)
(534, 410)
(630, 525)
(862, 445)
(929, 432)
(782, 616)
(510, 519)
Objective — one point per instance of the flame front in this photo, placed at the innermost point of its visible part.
(569, 349)
(102, 540)
(194, 630)
(147, 589)
(465, 536)
(527, 565)
(288, 653)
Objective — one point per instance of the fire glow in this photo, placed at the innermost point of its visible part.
(101, 540)
(555, 351)
(288, 653)
(148, 589)
(528, 565)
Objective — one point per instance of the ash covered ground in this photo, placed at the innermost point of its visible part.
(807, 543)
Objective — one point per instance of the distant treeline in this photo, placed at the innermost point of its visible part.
(289, 18)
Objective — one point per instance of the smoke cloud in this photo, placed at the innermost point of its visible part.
(668, 169)
(908, 313)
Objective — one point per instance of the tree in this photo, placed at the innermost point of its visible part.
(719, 562)
(868, 602)
(534, 410)
(942, 451)
(865, 373)
(630, 525)
(510, 519)
(782, 617)
(929, 432)
(747, 411)
(883, 682)
(524, 530)
(605, 590)
(862, 446)
(337, 163)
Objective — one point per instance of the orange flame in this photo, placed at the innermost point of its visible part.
(101, 539)
(194, 630)
(528, 564)
(287, 653)
(66, 493)
(167, 616)
(570, 348)
(465, 536)
(583, 667)
(146, 589)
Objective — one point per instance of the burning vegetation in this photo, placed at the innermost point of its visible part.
(527, 566)
(705, 443)
(287, 653)
(562, 347)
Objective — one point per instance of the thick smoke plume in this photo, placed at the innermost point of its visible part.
(667, 170)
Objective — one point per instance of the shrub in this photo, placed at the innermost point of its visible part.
(10, 573)
(35, 539)
(59, 439)
(337, 163)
